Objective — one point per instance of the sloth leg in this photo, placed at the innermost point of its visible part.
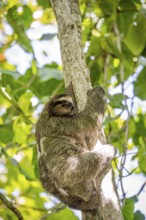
(83, 169)
(80, 173)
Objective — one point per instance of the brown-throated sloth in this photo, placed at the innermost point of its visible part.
(69, 158)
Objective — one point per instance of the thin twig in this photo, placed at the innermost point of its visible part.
(129, 173)
(121, 155)
(33, 208)
(55, 209)
(11, 206)
(141, 189)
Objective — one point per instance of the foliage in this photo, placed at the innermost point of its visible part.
(114, 38)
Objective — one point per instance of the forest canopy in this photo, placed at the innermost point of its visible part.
(114, 44)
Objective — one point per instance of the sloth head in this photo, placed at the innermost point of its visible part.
(61, 105)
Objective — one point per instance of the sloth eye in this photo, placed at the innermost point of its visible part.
(59, 102)
(67, 104)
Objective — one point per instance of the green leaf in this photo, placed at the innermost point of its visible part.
(24, 41)
(35, 161)
(142, 161)
(95, 47)
(108, 6)
(94, 73)
(24, 102)
(26, 16)
(6, 133)
(65, 214)
(8, 94)
(21, 130)
(142, 154)
(139, 85)
(124, 21)
(139, 216)
(23, 172)
(15, 163)
(20, 21)
(44, 3)
(11, 79)
(136, 36)
(126, 5)
(114, 48)
(43, 85)
(128, 209)
(134, 41)
(47, 73)
(116, 100)
(140, 129)
(13, 74)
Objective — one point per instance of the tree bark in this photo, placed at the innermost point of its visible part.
(77, 76)
(69, 33)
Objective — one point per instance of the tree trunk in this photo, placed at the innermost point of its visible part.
(77, 76)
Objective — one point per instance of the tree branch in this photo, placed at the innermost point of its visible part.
(11, 206)
(77, 74)
(69, 32)
(141, 188)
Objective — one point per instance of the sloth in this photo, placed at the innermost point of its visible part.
(70, 157)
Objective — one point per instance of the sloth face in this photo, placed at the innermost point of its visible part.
(61, 106)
